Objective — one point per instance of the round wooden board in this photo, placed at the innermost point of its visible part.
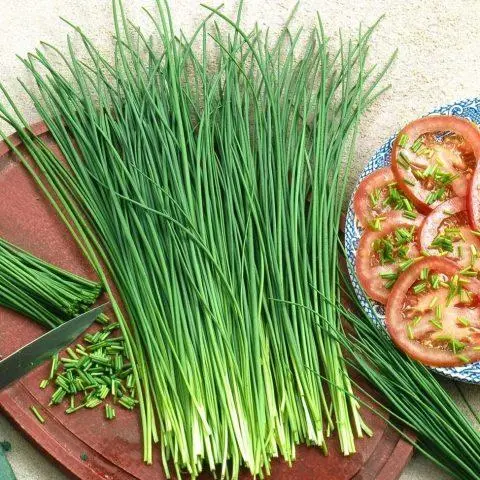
(113, 449)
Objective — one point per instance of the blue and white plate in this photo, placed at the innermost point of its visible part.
(469, 108)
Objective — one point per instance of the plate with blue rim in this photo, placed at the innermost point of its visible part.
(468, 108)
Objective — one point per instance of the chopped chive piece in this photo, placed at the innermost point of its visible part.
(402, 142)
(436, 323)
(424, 273)
(416, 320)
(433, 302)
(464, 321)
(390, 283)
(375, 224)
(408, 205)
(419, 287)
(410, 215)
(54, 366)
(416, 145)
(468, 272)
(389, 275)
(409, 182)
(438, 312)
(411, 336)
(435, 281)
(375, 197)
(37, 414)
(406, 264)
(403, 160)
(44, 384)
(463, 358)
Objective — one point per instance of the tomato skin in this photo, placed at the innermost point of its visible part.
(429, 228)
(396, 326)
(473, 203)
(436, 123)
(361, 201)
(367, 275)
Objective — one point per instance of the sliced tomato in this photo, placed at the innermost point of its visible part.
(433, 159)
(447, 231)
(382, 255)
(433, 313)
(473, 199)
(378, 194)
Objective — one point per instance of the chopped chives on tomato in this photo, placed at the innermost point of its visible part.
(468, 272)
(403, 140)
(409, 182)
(416, 320)
(410, 215)
(410, 334)
(403, 160)
(407, 263)
(390, 283)
(416, 145)
(419, 287)
(463, 358)
(436, 323)
(435, 281)
(407, 204)
(389, 275)
(464, 321)
(433, 302)
(424, 273)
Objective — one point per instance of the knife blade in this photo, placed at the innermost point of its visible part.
(33, 354)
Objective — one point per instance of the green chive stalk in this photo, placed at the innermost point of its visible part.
(45, 293)
(213, 196)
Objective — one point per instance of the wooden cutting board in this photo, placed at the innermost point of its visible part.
(113, 449)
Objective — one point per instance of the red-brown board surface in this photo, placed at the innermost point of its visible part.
(113, 449)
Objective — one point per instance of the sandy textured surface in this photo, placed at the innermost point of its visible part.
(438, 42)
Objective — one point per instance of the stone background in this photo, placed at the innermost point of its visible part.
(438, 48)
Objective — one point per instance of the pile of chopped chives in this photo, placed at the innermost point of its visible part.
(97, 370)
(45, 293)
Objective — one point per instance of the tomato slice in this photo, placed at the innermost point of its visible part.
(433, 313)
(378, 194)
(433, 159)
(382, 255)
(446, 231)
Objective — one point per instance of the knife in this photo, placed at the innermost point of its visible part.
(30, 356)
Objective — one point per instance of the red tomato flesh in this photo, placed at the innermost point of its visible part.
(433, 159)
(382, 255)
(378, 194)
(446, 231)
(433, 313)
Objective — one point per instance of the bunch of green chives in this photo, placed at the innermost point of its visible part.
(213, 198)
(47, 294)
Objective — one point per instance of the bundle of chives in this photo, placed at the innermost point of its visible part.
(47, 294)
(413, 396)
(213, 198)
